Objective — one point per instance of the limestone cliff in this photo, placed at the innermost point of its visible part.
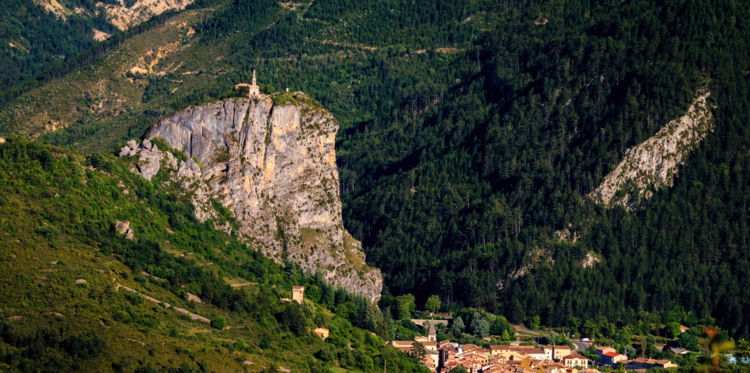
(654, 163)
(273, 165)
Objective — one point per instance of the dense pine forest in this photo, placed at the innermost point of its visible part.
(455, 202)
(472, 133)
(35, 39)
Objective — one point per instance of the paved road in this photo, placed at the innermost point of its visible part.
(580, 346)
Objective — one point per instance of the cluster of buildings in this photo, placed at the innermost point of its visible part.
(608, 356)
(442, 357)
(510, 359)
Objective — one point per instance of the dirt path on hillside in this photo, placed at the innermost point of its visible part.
(183, 311)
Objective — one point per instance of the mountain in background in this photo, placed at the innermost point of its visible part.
(473, 135)
(36, 35)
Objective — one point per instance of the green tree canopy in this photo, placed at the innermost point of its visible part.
(457, 327)
(406, 306)
(433, 303)
(480, 327)
(673, 329)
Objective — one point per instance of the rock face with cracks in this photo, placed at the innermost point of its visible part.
(274, 167)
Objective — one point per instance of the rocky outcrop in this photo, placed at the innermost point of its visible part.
(125, 16)
(654, 163)
(55, 7)
(274, 167)
(123, 227)
(590, 260)
(101, 35)
(568, 235)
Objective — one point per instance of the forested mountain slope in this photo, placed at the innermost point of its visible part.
(100, 268)
(32, 39)
(471, 204)
(472, 133)
(109, 89)
(36, 35)
(200, 54)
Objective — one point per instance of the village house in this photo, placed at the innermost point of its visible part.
(563, 370)
(644, 363)
(404, 346)
(467, 348)
(575, 360)
(560, 352)
(407, 346)
(447, 350)
(678, 350)
(322, 332)
(548, 352)
(601, 350)
(492, 368)
(475, 357)
(612, 359)
(431, 360)
(519, 352)
(552, 367)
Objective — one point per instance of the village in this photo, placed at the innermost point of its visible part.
(446, 356)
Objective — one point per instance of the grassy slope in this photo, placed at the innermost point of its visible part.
(57, 220)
